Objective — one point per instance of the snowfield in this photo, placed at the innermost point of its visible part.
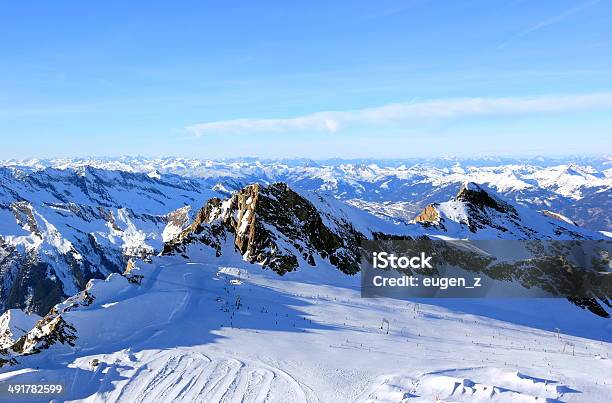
(232, 332)
(190, 319)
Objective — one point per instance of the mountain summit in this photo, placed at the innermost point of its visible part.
(275, 227)
(479, 213)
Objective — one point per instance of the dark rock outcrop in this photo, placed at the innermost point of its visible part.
(275, 227)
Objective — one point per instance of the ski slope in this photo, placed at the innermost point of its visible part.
(232, 332)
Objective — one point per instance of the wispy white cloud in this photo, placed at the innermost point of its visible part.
(333, 121)
(549, 21)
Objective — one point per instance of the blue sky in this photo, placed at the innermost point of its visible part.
(305, 79)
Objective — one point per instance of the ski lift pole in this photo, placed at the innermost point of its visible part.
(384, 321)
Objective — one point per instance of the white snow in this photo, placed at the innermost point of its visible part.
(232, 332)
(219, 329)
(14, 323)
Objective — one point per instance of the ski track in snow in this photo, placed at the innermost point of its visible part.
(190, 376)
(302, 341)
(220, 380)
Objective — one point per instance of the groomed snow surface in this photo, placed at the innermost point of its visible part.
(232, 332)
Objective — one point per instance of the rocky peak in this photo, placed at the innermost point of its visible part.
(481, 212)
(475, 195)
(273, 226)
(476, 209)
(428, 216)
(24, 216)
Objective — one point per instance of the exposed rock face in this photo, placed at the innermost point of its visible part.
(14, 323)
(273, 226)
(25, 216)
(176, 221)
(429, 215)
(32, 284)
(49, 330)
(477, 201)
(558, 216)
(476, 196)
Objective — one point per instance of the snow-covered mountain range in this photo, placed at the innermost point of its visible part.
(576, 187)
(61, 228)
(199, 285)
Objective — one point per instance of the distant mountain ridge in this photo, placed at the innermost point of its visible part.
(62, 227)
(576, 187)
